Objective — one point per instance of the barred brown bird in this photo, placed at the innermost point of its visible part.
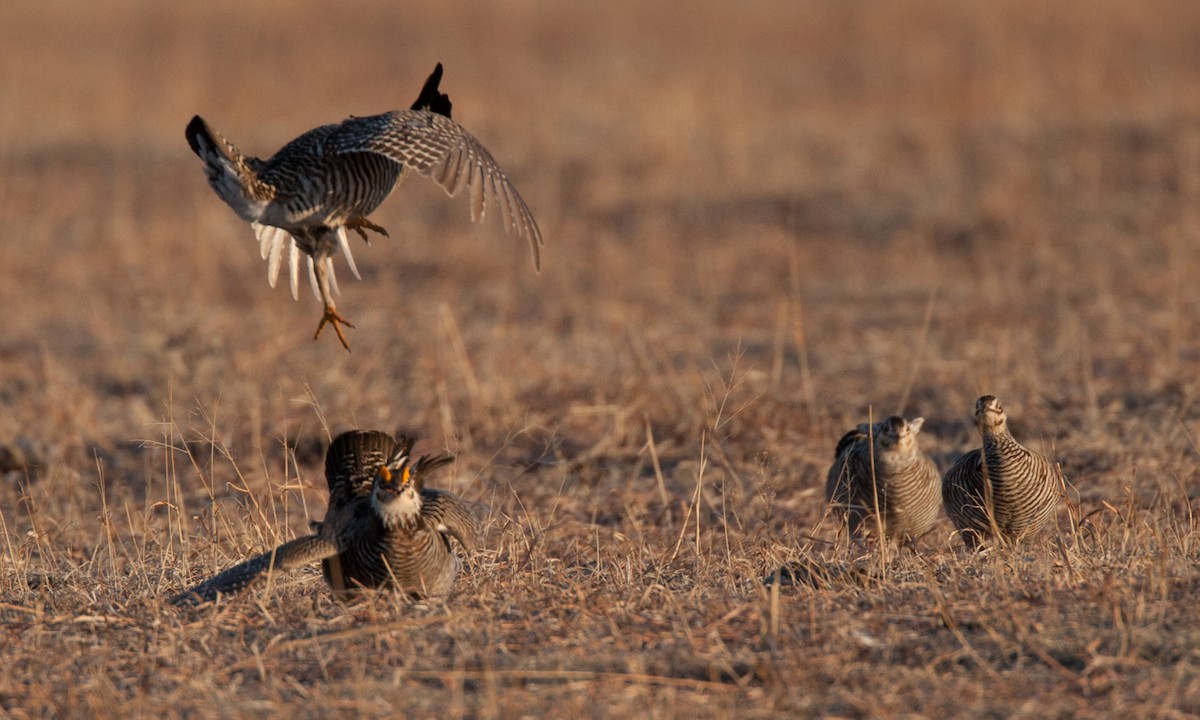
(1012, 496)
(330, 178)
(383, 526)
(882, 466)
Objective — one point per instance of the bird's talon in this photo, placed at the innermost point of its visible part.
(360, 225)
(334, 318)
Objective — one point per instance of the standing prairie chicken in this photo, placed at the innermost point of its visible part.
(331, 178)
(881, 466)
(1001, 490)
(383, 528)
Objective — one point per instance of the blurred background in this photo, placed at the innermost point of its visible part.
(838, 207)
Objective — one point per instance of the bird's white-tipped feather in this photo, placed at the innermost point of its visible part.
(344, 242)
(264, 241)
(478, 177)
(312, 278)
(275, 257)
(271, 241)
(333, 286)
(502, 192)
(294, 268)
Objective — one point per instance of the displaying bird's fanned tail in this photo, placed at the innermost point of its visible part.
(450, 515)
(351, 463)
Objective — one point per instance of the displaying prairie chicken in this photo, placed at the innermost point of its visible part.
(328, 180)
(881, 466)
(1002, 490)
(383, 526)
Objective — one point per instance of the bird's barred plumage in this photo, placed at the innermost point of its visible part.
(304, 198)
(351, 462)
(882, 466)
(288, 556)
(383, 527)
(1014, 495)
(411, 552)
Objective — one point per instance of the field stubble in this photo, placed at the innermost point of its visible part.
(760, 228)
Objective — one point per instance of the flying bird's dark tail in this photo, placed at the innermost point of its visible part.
(430, 98)
(208, 145)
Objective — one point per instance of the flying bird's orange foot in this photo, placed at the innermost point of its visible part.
(360, 225)
(335, 319)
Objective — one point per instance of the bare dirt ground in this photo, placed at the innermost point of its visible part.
(764, 222)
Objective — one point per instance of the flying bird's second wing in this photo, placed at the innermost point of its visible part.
(439, 148)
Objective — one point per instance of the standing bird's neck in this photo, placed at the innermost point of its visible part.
(403, 510)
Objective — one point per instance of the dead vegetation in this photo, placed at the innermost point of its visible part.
(761, 225)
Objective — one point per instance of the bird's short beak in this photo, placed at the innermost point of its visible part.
(386, 473)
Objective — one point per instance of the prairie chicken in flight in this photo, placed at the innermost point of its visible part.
(1003, 489)
(881, 466)
(304, 197)
(383, 528)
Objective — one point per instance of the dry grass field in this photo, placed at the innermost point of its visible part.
(764, 222)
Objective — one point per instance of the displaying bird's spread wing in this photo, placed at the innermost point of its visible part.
(437, 147)
(290, 555)
(450, 516)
